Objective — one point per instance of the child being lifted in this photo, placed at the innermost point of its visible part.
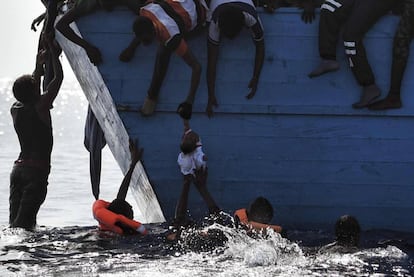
(193, 166)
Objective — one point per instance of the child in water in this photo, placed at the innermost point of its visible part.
(193, 165)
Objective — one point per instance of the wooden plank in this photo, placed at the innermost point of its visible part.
(115, 134)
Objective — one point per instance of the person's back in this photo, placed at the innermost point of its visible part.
(35, 137)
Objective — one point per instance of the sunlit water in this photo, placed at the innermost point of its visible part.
(67, 242)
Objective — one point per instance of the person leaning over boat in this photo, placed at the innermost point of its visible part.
(400, 54)
(117, 216)
(33, 125)
(84, 7)
(168, 22)
(228, 17)
(356, 17)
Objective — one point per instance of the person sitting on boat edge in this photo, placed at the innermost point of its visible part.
(168, 22)
(347, 233)
(257, 216)
(84, 7)
(356, 17)
(227, 18)
(400, 53)
(117, 216)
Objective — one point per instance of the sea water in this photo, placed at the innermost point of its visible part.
(67, 242)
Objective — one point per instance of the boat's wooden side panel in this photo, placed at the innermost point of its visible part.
(298, 142)
(116, 135)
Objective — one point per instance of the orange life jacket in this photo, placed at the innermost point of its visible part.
(241, 214)
(107, 219)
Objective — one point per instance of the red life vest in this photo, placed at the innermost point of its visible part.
(241, 214)
(107, 219)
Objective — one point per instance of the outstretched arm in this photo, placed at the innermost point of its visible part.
(258, 64)
(136, 154)
(63, 26)
(212, 56)
(128, 53)
(37, 21)
(51, 15)
(191, 60)
(54, 85)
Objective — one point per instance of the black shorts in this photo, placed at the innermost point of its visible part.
(28, 188)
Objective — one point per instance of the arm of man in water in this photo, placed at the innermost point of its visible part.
(136, 154)
(54, 85)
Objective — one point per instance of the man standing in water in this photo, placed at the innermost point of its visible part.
(33, 125)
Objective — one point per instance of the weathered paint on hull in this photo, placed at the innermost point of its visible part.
(298, 142)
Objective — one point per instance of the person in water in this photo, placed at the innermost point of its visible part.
(33, 125)
(84, 7)
(168, 22)
(193, 166)
(400, 53)
(257, 216)
(347, 233)
(227, 19)
(117, 216)
(356, 17)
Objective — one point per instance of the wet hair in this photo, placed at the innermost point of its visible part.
(347, 230)
(120, 206)
(143, 27)
(260, 210)
(25, 89)
(230, 22)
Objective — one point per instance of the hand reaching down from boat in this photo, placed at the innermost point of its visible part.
(253, 87)
(308, 14)
(185, 110)
(212, 102)
(128, 53)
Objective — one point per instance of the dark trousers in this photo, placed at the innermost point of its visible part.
(356, 17)
(401, 47)
(28, 188)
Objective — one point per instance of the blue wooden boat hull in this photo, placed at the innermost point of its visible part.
(299, 143)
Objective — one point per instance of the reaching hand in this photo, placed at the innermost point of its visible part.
(136, 153)
(308, 14)
(36, 22)
(94, 54)
(212, 102)
(253, 87)
(185, 110)
(127, 54)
